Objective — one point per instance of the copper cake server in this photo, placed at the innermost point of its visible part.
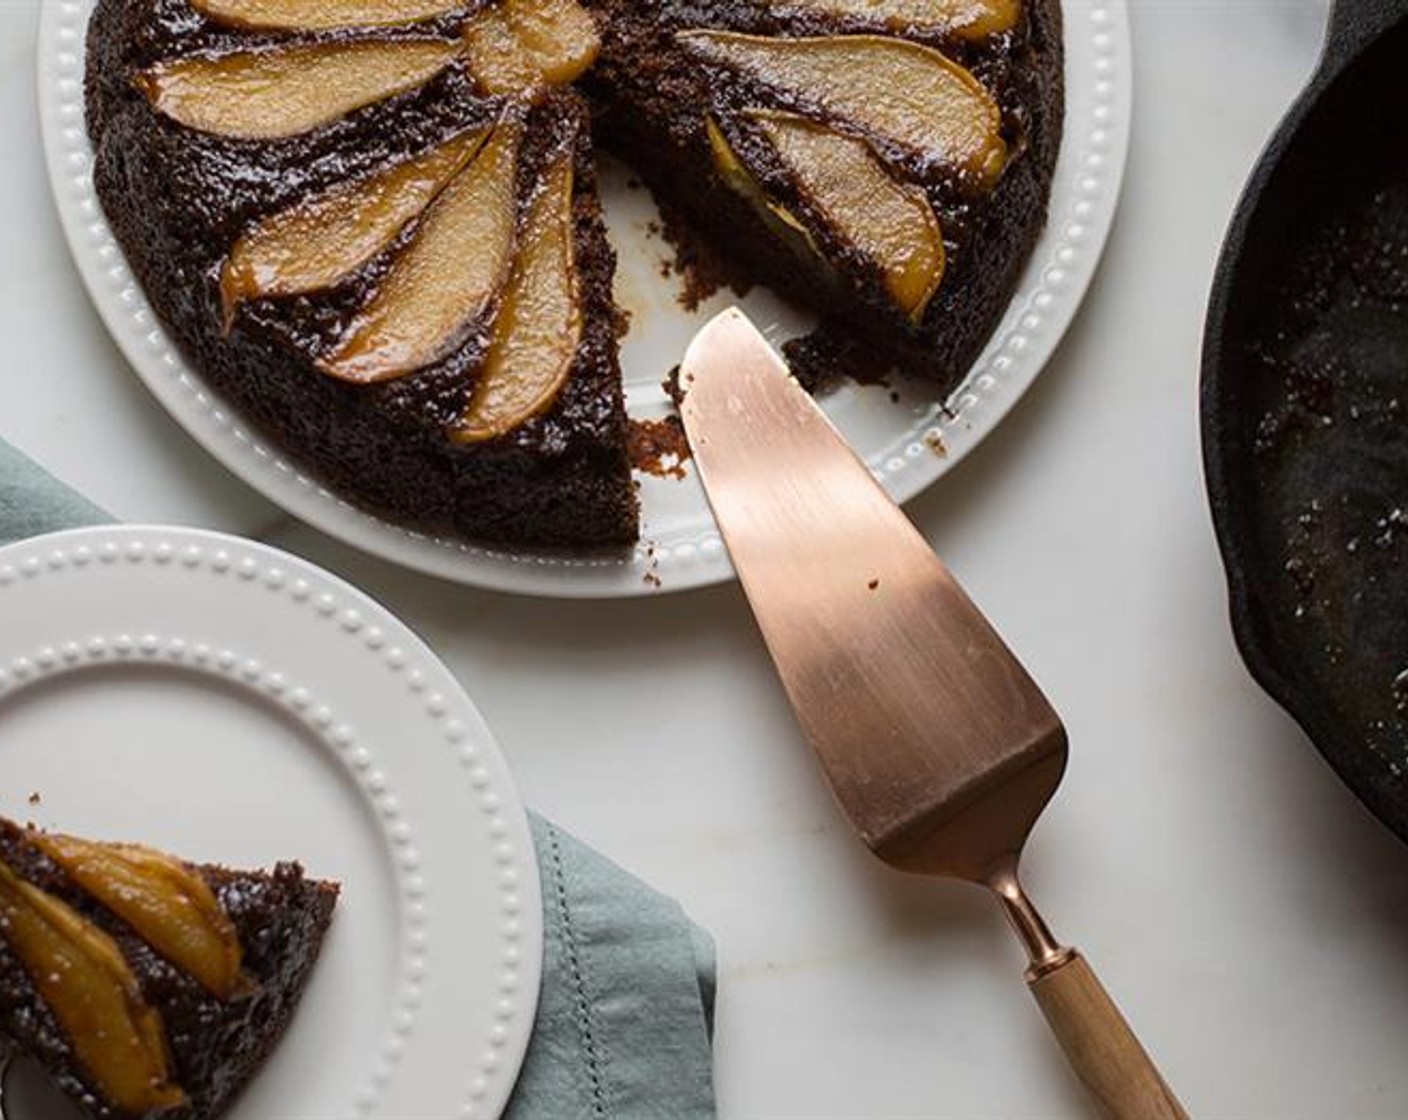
(938, 745)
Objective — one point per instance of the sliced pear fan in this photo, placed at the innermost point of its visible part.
(321, 15)
(523, 45)
(973, 20)
(82, 976)
(912, 96)
(539, 325)
(442, 282)
(275, 94)
(320, 242)
(889, 222)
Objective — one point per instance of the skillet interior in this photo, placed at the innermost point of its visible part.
(1306, 424)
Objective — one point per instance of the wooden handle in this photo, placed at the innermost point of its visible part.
(1100, 1045)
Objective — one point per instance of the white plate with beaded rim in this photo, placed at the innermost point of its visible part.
(232, 704)
(909, 444)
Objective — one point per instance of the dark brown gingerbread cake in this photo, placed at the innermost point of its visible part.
(306, 191)
(170, 1033)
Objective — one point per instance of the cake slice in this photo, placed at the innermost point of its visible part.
(146, 986)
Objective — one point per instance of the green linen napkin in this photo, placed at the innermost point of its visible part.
(625, 1018)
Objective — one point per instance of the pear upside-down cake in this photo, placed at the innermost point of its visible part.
(374, 226)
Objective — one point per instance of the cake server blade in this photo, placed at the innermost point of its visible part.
(939, 746)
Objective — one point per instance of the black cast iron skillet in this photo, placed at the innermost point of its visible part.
(1305, 408)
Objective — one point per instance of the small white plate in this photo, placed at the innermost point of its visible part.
(909, 443)
(233, 704)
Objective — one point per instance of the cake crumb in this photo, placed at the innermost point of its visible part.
(35, 798)
(658, 447)
(676, 384)
(620, 321)
(652, 571)
(936, 444)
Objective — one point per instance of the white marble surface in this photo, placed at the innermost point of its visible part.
(1251, 918)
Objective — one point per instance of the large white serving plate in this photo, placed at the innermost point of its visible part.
(233, 704)
(909, 443)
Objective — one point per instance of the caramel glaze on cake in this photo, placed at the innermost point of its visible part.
(215, 1045)
(178, 199)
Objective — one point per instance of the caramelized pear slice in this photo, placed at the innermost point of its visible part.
(169, 905)
(912, 96)
(558, 36)
(782, 220)
(286, 91)
(539, 324)
(889, 222)
(522, 45)
(496, 58)
(318, 243)
(445, 277)
(81, 974)
(973, 20)
(321, 15)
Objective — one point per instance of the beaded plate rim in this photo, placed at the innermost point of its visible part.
(385, 645)
(923, 447)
